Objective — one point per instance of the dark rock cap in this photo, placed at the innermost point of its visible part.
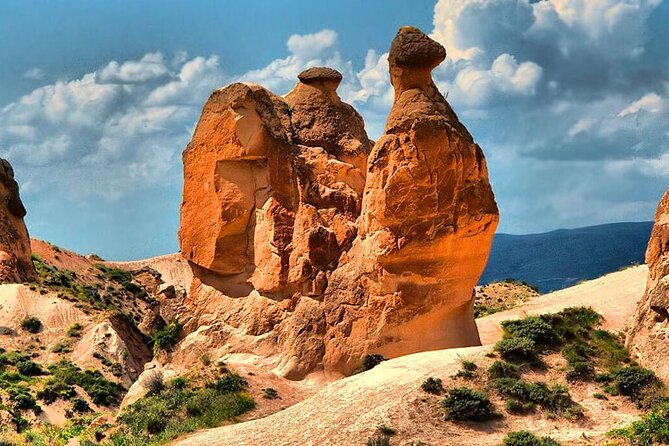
(412, 48)
(319, 74)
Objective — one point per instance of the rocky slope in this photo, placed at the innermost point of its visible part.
(649, 335)
(350, 410)
(310, 246)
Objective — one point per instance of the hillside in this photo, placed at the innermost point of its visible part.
(349, 411)
(562, 258)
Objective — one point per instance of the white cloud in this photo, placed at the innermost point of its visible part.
(34, 74)
(111, 131)
(308, 46)
(651, 103)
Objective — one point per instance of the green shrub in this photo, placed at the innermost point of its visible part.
(22, 399)
(61, 347)
(74, 330)
(385, 430)
(378, 440)
(80, 406)
(167, 337)
(432, 385)
(158, 418)
(533, 328)
(651, 429)
(465, 404)
(525, 438)
(517, 407)
(270, 394)
(65, 374)
(503, 369)
(555, 399)
(229, 383)
(29, 368)
(31, 324)
(470, 366)
(517, 349)
(369, 361)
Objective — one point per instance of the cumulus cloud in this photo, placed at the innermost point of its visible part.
(111, 131)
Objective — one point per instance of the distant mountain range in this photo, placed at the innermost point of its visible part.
(561, 258)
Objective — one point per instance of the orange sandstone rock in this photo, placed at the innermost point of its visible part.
(15, 255)
(647, 338)
(310, 245)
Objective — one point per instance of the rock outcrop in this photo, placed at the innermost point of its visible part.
(15, 255)
(648, 338)
(310, 245)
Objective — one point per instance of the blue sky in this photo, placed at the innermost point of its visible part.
(568, 98)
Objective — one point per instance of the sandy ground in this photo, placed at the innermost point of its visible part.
(348, 411)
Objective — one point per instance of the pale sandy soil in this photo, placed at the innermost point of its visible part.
(173, 268)
(348, 411)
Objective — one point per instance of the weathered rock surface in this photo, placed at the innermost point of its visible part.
(310, 245)
(648, 338)
(15, 262)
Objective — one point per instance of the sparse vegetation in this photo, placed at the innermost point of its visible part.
(31, 324)
(651, 429)
(525, 438)
(526, 395)
(433, 386)
(503, 369)
(369, 361)
(167, 337)
(74, 330)
(465, 404)
(270, 394)
(158, 418)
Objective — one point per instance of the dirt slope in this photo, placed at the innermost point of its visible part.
(348, 411)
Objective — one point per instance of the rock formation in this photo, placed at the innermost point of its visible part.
(15, 255)
(648, 338)
(310, 245)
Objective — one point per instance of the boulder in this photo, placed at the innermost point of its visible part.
(15, 255)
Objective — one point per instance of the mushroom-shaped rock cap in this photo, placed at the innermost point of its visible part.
(320, 74)
(412, 48)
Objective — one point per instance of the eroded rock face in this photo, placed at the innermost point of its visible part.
(648, 339)
(15, 262)
(426, 227)
(310, 245)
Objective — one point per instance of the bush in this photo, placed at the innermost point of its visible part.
(65, 375)
(525, 438)
(74, 331)
(652, 429)
(465, 404)
(640, 385)
(167, 337)
(555, 399)
(229, 383)
(370, 361)
(31, 324)
(29, 368)
(503, 369)
(270, 394)
(378, 440)
(80, 406)
(517, 349)
(432, 385)
(178, 409)
(533, 328)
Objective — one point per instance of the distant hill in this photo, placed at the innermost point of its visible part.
(561, 258)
